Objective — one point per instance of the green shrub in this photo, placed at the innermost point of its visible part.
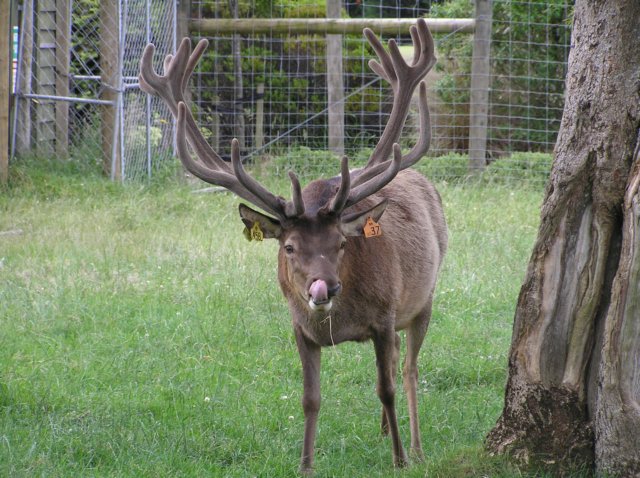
(450, 167)
(307, 163)
(521, 166)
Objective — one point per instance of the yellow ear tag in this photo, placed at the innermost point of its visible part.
(372, 229)
(247, 234)
(256, 232)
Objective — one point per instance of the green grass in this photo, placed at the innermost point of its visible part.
(141, 335)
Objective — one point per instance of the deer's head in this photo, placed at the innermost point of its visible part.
(312, 246)
(313, 232)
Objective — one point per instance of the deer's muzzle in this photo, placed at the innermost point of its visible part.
(320, 295)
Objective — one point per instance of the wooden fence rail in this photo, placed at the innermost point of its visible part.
(323, 26)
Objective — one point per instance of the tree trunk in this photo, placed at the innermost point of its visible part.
(573, 392)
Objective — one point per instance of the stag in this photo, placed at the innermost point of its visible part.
(347, 272)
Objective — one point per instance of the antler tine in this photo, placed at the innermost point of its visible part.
(379, 181)
(339, 201)
(274, 204)
(295, 208)
(194, 58)
(219, 178)
(424, 137)
(416, 153)
(403, 79)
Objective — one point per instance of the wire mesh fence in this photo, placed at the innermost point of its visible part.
(77, 92)
(281, 106)
(76, 83)
(146, 122)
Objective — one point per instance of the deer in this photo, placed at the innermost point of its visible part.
(359, 253)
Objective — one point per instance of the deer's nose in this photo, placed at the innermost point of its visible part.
(321, 292)
(333, 291)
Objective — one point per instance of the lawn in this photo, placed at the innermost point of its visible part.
(141, 335)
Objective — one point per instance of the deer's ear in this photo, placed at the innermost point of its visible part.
(271, 228)
(353, 224)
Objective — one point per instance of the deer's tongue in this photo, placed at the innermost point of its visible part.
(318, 292)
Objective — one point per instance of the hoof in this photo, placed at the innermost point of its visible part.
(306, 470)
(400, 461)
(417, 455)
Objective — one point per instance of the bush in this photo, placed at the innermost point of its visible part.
(308, 164)
(521, 166)
(451, 167)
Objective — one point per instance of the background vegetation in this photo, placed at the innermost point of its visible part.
(143, 336)
(530, 44)
(530, 47)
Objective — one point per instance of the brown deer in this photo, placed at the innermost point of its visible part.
(340, 283)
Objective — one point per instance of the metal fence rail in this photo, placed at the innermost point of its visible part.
(76, 83)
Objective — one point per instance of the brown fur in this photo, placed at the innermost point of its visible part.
(387, 285)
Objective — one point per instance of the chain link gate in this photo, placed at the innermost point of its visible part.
(77, 83)
(146, 122)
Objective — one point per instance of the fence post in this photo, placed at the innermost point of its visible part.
(24, 80)
(335, 86)
(238, 87)
(45, 75)
(183, 13)
(480, 83)
(109, 53)
(259, 137)
(5, 65)
(63, 54)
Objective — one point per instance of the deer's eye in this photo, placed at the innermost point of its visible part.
(288, 248)
(343, 244)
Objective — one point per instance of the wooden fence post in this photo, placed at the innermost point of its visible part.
(335, 84)
(5, 84)
(109, 59)
(24, 81)
(183, 13)
(259, 136)
(480, 83)
(63, 58)
(238, 87)
(45, 75)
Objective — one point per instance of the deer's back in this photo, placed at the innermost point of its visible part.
(401, 266)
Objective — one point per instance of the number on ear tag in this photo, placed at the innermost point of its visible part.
(256, 232)
(372, 229)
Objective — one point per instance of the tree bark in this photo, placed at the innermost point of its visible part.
(574, 370)
(617, 417)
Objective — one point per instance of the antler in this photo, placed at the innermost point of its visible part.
(354, 186)
(211, 168)
(403, 78)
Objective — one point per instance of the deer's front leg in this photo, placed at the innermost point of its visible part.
(384, 344)
(310, 358)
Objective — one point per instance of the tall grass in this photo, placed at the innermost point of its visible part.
(141, 335)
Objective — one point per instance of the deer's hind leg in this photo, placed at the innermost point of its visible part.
(385, 347)
(415, 336)
(384, 422)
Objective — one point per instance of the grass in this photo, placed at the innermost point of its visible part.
(143, 336)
